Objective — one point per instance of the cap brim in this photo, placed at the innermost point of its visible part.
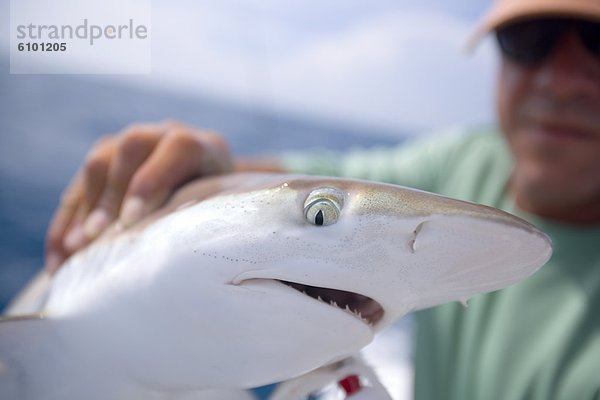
(509, 11)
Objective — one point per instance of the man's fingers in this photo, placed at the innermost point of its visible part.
(65, 233)
(62, 219)
(96, 169)
(130, 174)
(130, 152)
(180, 156)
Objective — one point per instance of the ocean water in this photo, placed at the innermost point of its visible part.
(48, 123)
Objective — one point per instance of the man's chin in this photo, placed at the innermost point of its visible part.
(548, 186)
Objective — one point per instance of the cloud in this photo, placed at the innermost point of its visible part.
(406, 69)
(396, 69)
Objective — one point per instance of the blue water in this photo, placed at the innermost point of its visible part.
(47, 124)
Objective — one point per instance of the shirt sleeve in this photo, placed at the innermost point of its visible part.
(416, 162)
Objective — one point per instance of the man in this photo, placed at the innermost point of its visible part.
(539, 339)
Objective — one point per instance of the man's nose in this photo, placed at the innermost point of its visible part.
(570, 69)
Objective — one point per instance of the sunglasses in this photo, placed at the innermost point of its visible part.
(531, 41)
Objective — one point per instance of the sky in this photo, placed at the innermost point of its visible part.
(389, 64)
(392, 64)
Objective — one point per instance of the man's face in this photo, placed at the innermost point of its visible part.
(549, 111)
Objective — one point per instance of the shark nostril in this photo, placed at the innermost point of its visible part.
(413, 241)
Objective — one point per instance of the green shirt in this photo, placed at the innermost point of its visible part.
(539, 339)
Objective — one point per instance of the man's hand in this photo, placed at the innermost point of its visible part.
(128, 175)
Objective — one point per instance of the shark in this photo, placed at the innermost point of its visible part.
(246, 279)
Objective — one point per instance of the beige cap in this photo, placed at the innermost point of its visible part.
(504, 11)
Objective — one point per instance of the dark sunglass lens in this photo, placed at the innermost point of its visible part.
(590, 36)
(527, 41)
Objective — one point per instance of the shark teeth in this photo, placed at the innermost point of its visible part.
(346, 309)
(362, 307)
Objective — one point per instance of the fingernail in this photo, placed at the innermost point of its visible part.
(132, 210)
(95, 223)
(53, 261)
(75, 238)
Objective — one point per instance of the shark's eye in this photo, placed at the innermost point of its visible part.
(322, 207)
(322, 212)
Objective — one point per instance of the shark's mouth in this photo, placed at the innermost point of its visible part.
(363, 307)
